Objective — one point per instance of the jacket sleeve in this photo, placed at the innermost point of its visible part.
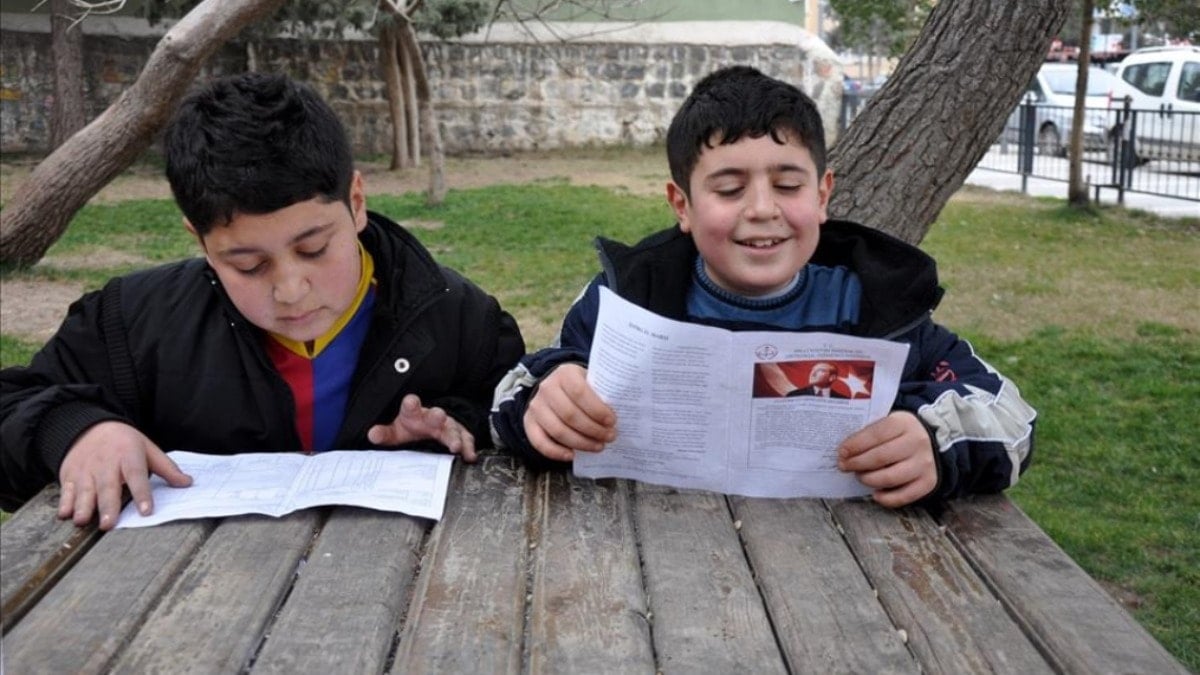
(488, 343)
(44, 407)
(514, 392)
(982, 430)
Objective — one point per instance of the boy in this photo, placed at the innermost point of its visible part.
(308, 324)
(753, 251)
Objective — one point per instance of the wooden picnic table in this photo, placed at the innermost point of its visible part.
(548, 573)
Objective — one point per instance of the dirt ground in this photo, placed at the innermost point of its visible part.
(34, 309)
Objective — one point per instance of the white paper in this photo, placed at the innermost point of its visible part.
(277, 483)
(702, 407)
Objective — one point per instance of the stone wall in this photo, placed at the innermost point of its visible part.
(497, 92)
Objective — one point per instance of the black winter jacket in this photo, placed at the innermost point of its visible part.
(166, 351)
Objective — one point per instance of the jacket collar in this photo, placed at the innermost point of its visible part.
(899, 281)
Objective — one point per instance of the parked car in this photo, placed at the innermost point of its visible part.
(1165, 83)
(1052, 91)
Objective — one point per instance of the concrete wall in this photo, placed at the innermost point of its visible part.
(500, 91)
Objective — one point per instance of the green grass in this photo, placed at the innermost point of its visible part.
(1094, 315)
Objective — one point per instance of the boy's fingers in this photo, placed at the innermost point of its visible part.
(161, 465)
(66, 500)
(547, 446)
(564, 433)
(468, 447)
(109, 503)
(559, 413)
(85, 502)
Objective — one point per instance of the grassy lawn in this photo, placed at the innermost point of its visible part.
(1096, 316)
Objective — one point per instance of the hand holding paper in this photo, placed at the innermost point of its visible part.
(567, 415)
(702, 407)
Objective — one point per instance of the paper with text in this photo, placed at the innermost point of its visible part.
(753, 413)
(277, 483)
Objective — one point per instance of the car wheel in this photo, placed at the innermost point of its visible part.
(1050, 141)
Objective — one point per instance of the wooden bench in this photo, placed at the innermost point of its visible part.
(549, 573)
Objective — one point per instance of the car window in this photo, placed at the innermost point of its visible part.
(1189, 82)
(1149, 78)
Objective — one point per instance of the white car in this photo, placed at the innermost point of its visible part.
(1052, 91)
(1165, 90)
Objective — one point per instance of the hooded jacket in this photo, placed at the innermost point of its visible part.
(166, 351)
(980, 428)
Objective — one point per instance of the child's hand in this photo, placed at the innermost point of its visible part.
(566, 415)
(415, 422)
(105, 458)
(893, 456)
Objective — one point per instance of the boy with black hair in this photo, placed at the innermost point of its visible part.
(754, 250)
(309, 323)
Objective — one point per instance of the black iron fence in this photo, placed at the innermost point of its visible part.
(1154, 152)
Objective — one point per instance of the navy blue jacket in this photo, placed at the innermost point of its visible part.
(981, 428)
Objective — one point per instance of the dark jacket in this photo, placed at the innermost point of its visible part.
(166, 351)
(980, 428)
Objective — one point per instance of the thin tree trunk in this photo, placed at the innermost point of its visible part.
(409, 77)
(389, 48)
(44, 203)
(1077, 190)
(433, 136)
(66, 47)
(919, 136)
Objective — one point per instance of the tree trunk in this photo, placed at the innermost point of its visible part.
(433, 136)
(409, 78)
(1077, 190)
(919, 137)
(66, 47)
(389, 50)
(44, 203)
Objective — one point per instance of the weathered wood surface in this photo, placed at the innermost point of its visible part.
(1066, 611)
(213, 616)
(588, 607)
(951, 621)
(36, 548)
(349, 597)
(467, 614)
(86, 619)
(827, 615)
(548, 573)
(707, 614)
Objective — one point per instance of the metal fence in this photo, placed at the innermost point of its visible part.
(1155, 152)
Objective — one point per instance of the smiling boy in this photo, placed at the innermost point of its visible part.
(754, 249)
(309, 323)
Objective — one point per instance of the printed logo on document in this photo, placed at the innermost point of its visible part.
(766, 352)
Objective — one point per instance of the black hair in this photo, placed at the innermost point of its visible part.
(254, 143)
(741, 101)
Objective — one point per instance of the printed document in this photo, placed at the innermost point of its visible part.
(752, 413)
(277, 483)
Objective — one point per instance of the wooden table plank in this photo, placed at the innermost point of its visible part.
(467, 613)
(87, 618)
(349, 598)
(953, 622)
(1067, 611)
(825, 612)
(588, 610)
(36, 549)
(212, 619)
(708, 615)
